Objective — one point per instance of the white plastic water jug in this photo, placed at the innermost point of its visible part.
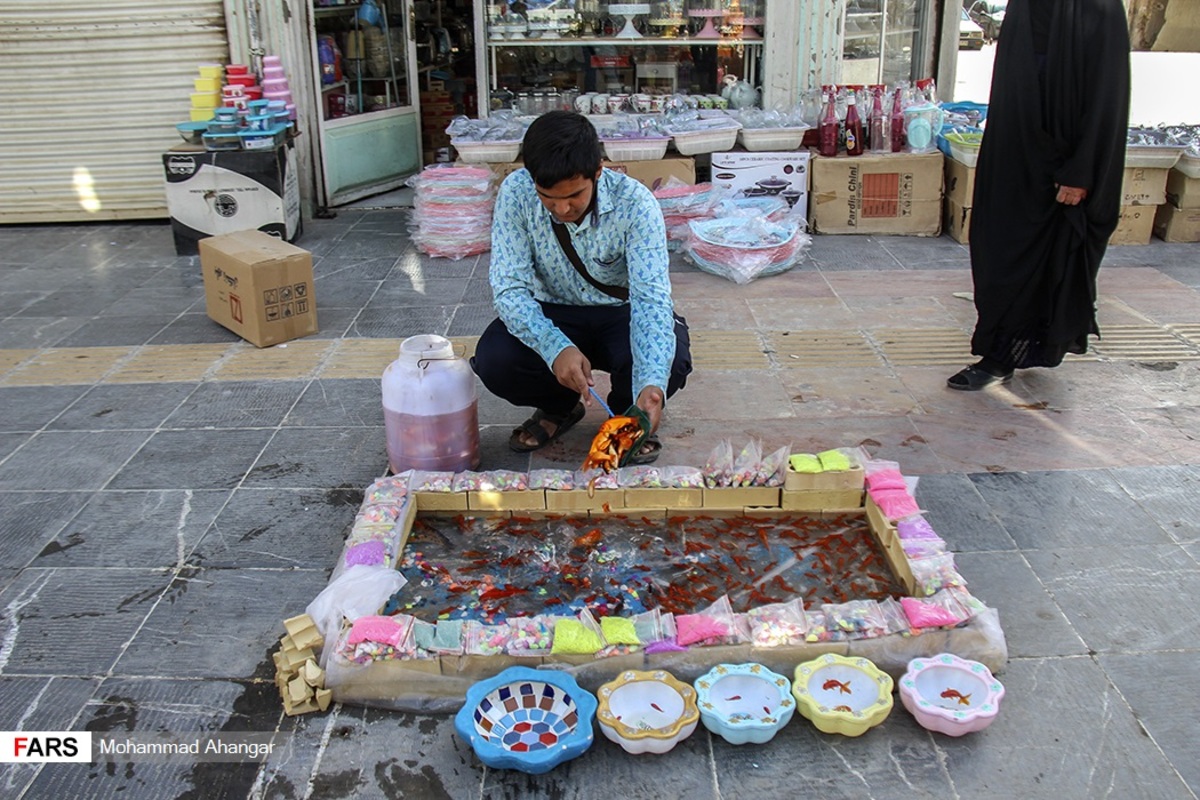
(430, 410)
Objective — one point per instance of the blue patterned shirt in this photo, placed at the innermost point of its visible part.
(623, 244)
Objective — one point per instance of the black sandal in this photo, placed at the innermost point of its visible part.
(974, 378)
(541, 436)
(648, 453)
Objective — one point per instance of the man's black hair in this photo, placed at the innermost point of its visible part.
(561, 145)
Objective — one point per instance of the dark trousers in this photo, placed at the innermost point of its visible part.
(518, 374)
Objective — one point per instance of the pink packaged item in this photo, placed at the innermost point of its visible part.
(886, 479)
(895, 503)
(385, 630)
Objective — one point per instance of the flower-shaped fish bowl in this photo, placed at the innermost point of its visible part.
(950, 695)
(744, 703)
(527, 719)
(842, 695)
(647, 712)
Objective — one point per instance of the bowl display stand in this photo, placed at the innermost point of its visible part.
(526, 719)
(744, 703)
(647, 712)
(951, 695)
(842, 695)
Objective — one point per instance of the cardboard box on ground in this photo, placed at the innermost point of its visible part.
(651, 174)
(959, 194)
(259, 287)
(1178, 219)
(211, 193)
(784, 174)
(892, 193)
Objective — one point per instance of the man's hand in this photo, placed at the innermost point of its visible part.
(1070, 195)
(574, 371)
(651, 401)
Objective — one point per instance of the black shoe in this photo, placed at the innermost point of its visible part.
(974, 378)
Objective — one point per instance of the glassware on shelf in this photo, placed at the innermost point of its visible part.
(629, 11)
(667, 16)
(750, 17)
(708, 10)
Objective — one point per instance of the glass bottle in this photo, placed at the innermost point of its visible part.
(830, 129)
(879, 141)
(898, 121)
(854, 130)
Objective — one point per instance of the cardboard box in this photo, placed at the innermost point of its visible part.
(822, 499)
(1141, 186)
(740, 497)
(958, 222)
(736, 172)
(960, 183)
(209, 194)
(651, 174)
(259, 287)
(893, 193)
(853, 478)
(1173, 224)
(1135, 227)
(1182, 191)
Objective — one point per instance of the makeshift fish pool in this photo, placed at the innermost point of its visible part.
(490, 569)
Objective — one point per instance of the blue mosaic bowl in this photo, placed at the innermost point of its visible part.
(527, 719)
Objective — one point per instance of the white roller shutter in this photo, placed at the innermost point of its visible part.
(91, 91)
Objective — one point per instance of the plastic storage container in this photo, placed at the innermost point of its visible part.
(771, 139)
(712, 140)
(485, 152)
(430, 410)
(644, 148)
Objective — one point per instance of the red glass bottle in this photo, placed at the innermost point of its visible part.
(898, 121)
(854, 128)
(830, 129)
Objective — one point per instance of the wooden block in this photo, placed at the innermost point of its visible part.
(741, 496)
(313, 675)
(824, 481)
(579, 500)
(441, 501)
(324, 698)
(307, 707)
(816, 500)
(528, 500)
(664, 498)
(298, 690)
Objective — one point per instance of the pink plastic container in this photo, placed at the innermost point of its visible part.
(236, 69)
(274, 85)
(241, 80)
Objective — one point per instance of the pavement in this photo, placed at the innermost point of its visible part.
(168, 494)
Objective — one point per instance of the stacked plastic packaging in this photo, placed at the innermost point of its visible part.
(453, 210)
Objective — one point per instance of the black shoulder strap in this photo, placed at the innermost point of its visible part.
(568, 248)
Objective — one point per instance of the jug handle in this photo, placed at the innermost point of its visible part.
(460, 352)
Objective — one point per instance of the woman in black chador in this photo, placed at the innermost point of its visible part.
(1048, 183)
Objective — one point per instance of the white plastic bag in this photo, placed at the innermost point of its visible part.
(357, 592)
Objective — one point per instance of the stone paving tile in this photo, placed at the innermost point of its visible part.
(374, 754)
(204, 459)
(22, 332)
(336, 269)
(337, 291)
(122, 707)
(220, 623)
(391, 322)
(1171, 724)
(1172, 433)
(1118, 606)
(1052, 510)
(320, 457)
(193, 328)
(236, 404)
(38, 704)
(1063, 731)
(824, 391)
(334, 322)
(1170, 495)
(13, 302)
(123, 407)
(1034, 624)
(338, 403)
(955, 509)
(471, 320)
(723, 394)
(10, 442)
(160, 300)
(800, 313)
(71, 459)
(28, 520)
(278, 528)
(155, 529)
(928, 386)
(30, 408)
(73, 620)
(1007, 441)
(1091, 386)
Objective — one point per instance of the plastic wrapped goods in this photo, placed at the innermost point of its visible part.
(453, 210)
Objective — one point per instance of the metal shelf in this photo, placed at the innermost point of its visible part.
(322, 11)
(646, 41)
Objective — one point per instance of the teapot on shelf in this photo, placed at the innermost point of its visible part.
(738, 93)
